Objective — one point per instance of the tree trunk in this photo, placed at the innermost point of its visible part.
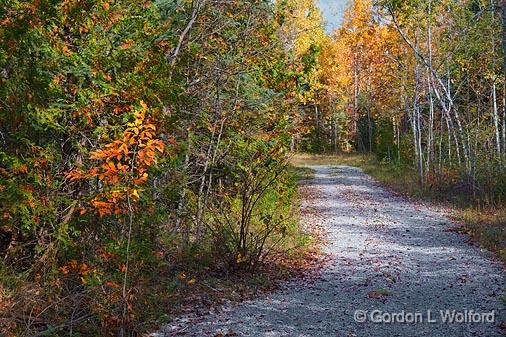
(494, 92)
(496, 120)
(369, 128)
(504, 118)
(182, 200)
(356, 133)
(334, 132)
(318, 134)
(415, 119)
(430, 136)
(504, 34)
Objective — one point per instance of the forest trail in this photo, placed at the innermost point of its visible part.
(386, 253)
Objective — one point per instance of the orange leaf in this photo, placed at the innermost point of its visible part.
(98, 155)
(112, 284)
(22, 169)
(74, 175)
(126, 45)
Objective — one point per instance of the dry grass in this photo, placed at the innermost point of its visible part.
(487, 227)
(303, 159)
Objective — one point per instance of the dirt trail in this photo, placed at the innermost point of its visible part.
(389, 258)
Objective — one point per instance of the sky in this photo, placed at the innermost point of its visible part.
(333, 13)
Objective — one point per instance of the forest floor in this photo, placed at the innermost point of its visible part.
(386, 255)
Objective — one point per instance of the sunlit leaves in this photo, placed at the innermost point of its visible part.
(124, 163)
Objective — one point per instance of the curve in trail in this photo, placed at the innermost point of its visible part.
(388, 256)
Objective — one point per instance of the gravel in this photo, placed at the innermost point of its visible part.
(390, 259)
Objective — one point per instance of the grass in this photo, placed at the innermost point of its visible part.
(485, 225)
(301, 172)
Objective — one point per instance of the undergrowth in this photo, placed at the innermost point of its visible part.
(82, 296)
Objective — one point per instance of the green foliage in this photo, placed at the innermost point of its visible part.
(259, 204)
(127, 130)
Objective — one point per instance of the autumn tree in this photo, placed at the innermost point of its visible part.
(422, 85)
(304, 37)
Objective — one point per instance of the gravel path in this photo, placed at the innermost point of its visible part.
(388, 255)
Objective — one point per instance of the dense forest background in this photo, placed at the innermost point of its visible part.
(145, 145)
(418, 83)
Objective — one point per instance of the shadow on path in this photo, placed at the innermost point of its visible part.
(388, 256)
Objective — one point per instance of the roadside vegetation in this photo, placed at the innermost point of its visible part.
(143, 158)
